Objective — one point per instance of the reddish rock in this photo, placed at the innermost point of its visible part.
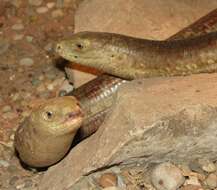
(153, 120)
(107, 180)
(192, 187)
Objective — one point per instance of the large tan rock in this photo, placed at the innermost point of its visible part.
(156, 19)
(153, 120)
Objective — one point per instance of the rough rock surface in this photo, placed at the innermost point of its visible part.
(154, 19)
(154, 120)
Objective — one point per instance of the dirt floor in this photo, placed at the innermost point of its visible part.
(28, 31)
(28, 75)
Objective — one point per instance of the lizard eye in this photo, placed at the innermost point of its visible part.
(48, 115)
(79, 46)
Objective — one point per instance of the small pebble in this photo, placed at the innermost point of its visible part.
(59, 3)
(42, 10)
(25, 114)
(20, 186)
(27, 95)
(6, 108)
(57, 13)
(18, 36)
(193, 180)
(29, 39)
(50, 5)
(66, 86)
(35, 82)
(9, 115)
(4, 45)
(50, 86)
(41, 88)
(16, 3)
(41, 77)
(35, 2)
(44, 95)
(18, 26)
(15, 96)
(12, 77)
(211, 181)
(55, 83)
(28, 183)
(50, 75)
(12, 137)
(62, 93)
(13, 180)
(167, 176)
(4, 163)
(207, 165)
(108, 180)
(26, 61)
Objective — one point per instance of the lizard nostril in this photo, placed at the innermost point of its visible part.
(71, 115)
(58, 47)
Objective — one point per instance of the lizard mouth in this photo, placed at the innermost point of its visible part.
(73, 117)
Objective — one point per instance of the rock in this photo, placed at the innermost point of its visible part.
(57, 13)
(18, 36)
(4, 45)
(108, 180)
(193, 180)
(35, 82)
(167, 176)
(137, 16)
(66, 86)
(191, 187)
(211, 181)
(79, 77)
(59, 3)
(9, 115)
(50, 5)
(16, 3)
(18, 26)
(26, 61)
(195, 166)
(35, 2)
(202, 165)
(41, 10)
(4, 163)
(207, 165)
(29, 39)
(6, 108)
(152, 121)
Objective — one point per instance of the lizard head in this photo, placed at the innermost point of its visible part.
(93, 47)
(46, 135)
(57, 116)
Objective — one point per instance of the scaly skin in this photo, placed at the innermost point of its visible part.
(46, 135)
(132, 58)
(99, 93)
